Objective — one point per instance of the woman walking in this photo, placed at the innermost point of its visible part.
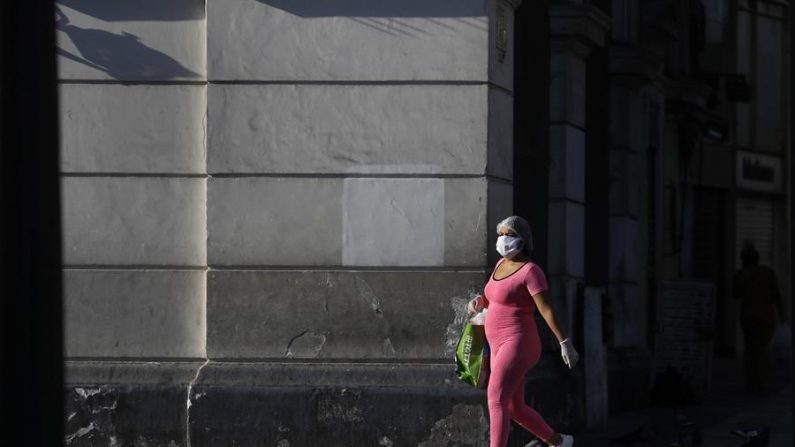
(512, 294)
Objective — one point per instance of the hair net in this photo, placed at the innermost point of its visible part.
(521, 228)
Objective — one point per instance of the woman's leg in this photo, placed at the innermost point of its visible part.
(507, 373)
(527, 417)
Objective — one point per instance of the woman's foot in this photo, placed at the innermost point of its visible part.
(565, 441)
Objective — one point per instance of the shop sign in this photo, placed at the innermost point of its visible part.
(759, 172)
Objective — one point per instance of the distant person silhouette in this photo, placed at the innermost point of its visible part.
(756, 287)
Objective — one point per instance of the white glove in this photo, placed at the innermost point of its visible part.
(569, 354)
(475, 305)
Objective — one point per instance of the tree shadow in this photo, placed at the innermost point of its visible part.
(120, 56)
(389, 16)
(381, 8)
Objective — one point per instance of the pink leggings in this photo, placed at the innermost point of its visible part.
(510, 361)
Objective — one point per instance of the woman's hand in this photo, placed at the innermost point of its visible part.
(569, 354)
(476, 305)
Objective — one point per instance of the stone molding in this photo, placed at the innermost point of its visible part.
(577, 28)
(687, 91)
(107, 372)
(512, 3)
(636, 66)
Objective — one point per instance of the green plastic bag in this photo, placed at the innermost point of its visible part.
(472, 356)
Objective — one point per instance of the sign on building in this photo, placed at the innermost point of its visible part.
(759, 172)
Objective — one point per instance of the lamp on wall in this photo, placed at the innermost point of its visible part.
(715, 131)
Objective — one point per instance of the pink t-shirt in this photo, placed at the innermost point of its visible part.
(511, 306)
(517, 289)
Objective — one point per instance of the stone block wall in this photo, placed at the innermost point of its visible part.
(264, 185)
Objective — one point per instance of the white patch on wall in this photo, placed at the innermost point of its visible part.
(393, 222)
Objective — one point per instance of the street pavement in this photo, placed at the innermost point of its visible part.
(725, 409)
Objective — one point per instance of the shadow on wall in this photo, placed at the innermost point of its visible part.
(139, 10)
(384, 15)
(119, 55)
(380, 8)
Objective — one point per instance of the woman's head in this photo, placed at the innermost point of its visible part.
(749, 256)
(518, 227)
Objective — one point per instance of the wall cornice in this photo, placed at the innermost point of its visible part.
(577, 28)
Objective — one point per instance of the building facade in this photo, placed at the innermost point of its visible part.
(276, 211)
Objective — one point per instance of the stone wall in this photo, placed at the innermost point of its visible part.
(274, 214)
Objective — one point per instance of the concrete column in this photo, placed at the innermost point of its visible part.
(636, 123)
(574, 30)
(134, 187)
(637, 108)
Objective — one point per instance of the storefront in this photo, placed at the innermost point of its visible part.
(760, 214)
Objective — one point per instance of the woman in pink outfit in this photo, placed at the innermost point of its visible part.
(513, 293)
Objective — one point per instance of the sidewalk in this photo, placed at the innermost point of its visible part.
(726, 408)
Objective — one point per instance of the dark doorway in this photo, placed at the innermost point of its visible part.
(709, 256)
(31, 410)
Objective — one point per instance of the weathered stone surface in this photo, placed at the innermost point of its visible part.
(625, 191)
(466, 215)
(132, 128)
(501, 71)
(567, 235)
(129, 414)
(721, 164)
(274, 221)
(337, 315)
(350, 40)
(628, 311)
(562, 295)
(626, 115)
(628, 379)
(567, 157)
(500, 206)
(304, 416)
(137, 221)
(125, 372)
(626, 306)
(594, 360)
(296, 373)
(346, 221)
(370, 129)
(383, 219)
(500, 134)
(745, 64)
(392, 414)
(770, 128)
(124, 313)
(139, 40)
(298, 404)
(567, 88)
(624, 249)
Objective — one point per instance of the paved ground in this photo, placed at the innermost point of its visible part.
(727, 408)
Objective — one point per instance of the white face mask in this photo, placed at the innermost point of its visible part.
(509, 246)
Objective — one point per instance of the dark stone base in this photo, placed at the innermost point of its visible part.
(628, 379)
(125, 415)
(303, 416)
(284, 405)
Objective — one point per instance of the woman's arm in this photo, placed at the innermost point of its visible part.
(546, 311)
